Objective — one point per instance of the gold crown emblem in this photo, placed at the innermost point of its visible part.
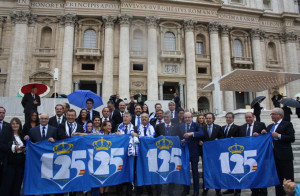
(164, 144)
(104, 144)
(236, 148)
(63, 148)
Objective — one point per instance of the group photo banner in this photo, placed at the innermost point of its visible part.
(162, 160)
(77, 164)
(239, 163)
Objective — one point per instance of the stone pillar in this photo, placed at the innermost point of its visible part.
(190, 63)
(2, 19)
(161, 92)
(226, 60)
(215, 64)
(181, 94)
(19, 50)
(98, 82)
(76, 85)
(152, 78)
(108, 79)
(257, 58)
(67, 59)
(124, 62)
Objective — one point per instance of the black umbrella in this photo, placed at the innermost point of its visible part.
(257, 99)
(290, 102)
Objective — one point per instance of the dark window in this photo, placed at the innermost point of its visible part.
(299, 5)
(88, 66)
(202, 70)
(138, 67)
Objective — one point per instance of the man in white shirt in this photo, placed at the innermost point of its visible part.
(59, 118)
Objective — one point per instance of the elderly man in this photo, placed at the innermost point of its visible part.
(172, 109)
(283, 135)
(59, 118)
(192, 133)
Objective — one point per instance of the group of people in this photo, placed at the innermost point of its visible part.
(118, 120)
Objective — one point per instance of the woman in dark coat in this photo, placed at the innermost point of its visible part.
(287, 113)
(13, 146)
(33, 122)
(257, 110)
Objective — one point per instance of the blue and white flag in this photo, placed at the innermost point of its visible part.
(77, 164)
(239, 163)
(162, 160)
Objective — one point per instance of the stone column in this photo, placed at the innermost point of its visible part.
(2, 19)
(124, 62)
(181, 93)
(19, 50)
(161, 93)
(98, 82)
(108, 79)
(257, 58)
(190, 63)
(215, 59)
(226, 60)
(76, 86)
(67, 59)
(152, 78)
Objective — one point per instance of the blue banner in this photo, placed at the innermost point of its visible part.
(77, 164)
(162, 160)
(239, 163)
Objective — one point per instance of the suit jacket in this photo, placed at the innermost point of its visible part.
(176, 120)
(61, 131)
(5, 126)
(35, 133)
(217, 133)
(116, 117)
(257, 128)
(53, 121)
(95, 113)
(153, 122)
(282, 147)
(161, 128)
(133, 120)
(232, 132)
(257, 109)
(27, 103)
(193, 142)
(117, 103)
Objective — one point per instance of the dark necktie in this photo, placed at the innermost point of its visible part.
(44, 133)
(145, 131)
(139, 121)
(126, 130)
(89, 114)
(248, 130)
(226, 130)
(122, 115)
(0, 126)
(58, 122)
(70, 129)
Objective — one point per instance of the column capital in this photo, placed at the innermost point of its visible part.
(124, 19)
(256, 33)
(76, 81)
(161, 83)
(23, 17)
(2, 20)
(152, 21)
(225, 29)
(213, 27)
(189, 25)
(98, 81)
(181, 83)
(67, 19)
(288, 37)
(109, 21)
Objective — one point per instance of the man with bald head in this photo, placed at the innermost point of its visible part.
(43, 131)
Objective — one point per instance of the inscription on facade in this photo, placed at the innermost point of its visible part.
(70, 4)
(238, 18)
(47, 5)
(171, 68)
(270, 23)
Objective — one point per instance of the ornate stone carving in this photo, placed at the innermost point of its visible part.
(152, 21)
(225, 29)
(67, 19)
(189, 25)
(124, 19)
(2, 20)
(288, 36)
(213, 27)
(47, 20)
(109, 21)
(43, 75)
(171, 68)
(256, 33)
(23, 17)
(138, 84)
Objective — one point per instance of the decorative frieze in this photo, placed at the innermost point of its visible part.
(189, 25)
(171, 68)
(213, 27)
(288, 36)
(152, 21)
(109, 21)
(67, 19)
(23, 17)
(125, 19)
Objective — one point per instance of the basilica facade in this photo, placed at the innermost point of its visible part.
(150, 47)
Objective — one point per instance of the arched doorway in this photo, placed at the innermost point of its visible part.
(203, 105)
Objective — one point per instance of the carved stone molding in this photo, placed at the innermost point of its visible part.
(225, 29)
(152, 21)
(67, 19)
(161, 83)
(109, 21)
(2, 20)
(138, 84)
(189, 25)
(257, 33)
(125, 19)
(288, 37)
(23, 17)
(47, 20)
(213, 27)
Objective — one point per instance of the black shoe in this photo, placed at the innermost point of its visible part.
(228, 191)
(184, 193)
(205, 192)
(237, 194)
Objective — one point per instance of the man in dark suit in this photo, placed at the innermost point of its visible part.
(136, 118)
(211, 131)
(231, 130)
(283, 134)
(117, 101)
(172, 109)
(3, 125)
(253, 128)
(158, 119)
(179, 119)
(114, 113)
(177, 101)
(257, 110)
(122, 108)
(30, 102)
(90, 112)
(192, 133)
(43, 131)
(157, 107)
(67, 129)
(59, 118)
(66, 108)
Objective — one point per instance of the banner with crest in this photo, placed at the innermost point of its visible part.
(239, 163)
(77, 164)
(162, 160)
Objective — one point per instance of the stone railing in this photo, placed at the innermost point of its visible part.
(88, 52)
(138, 53)
(45, 52)
(176, 55)
(241, 60)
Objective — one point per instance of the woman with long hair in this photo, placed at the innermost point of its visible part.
(145, 109)
(97, 125)
(33, 122)
(201, 120)
(12, 146)
(82, 118)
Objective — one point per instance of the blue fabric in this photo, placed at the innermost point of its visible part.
(239, 163)
(297, 190)
(79, 97)
(77, 164)
(162, 160)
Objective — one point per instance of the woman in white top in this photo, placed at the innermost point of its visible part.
(12, 147)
